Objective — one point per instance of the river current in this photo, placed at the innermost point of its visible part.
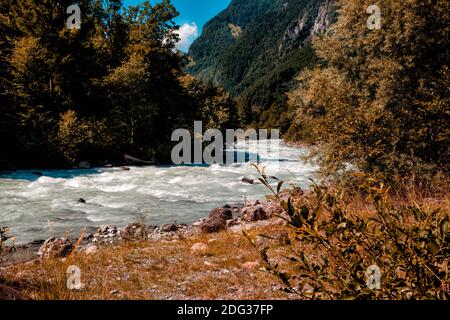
(36, 206)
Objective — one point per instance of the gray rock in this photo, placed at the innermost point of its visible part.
(55, 247)
(170, 227)
(247, 180)
(91, 249)
(222, 213)
(214, 224)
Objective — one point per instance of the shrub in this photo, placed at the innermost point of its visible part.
(332, 247)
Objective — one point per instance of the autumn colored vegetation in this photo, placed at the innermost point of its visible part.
(115, 86)
(381, 100)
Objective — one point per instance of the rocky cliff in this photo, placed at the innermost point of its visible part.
(255, 48)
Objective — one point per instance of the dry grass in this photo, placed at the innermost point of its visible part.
(156, 270)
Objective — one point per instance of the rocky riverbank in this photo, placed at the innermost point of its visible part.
(236, 217)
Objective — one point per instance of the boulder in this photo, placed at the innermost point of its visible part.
(55, 247)
(222, 213)
(133, 231)
(248, 180)
(255, 213)
(272, 208)
(260, 210)
(233, 222)
(170, 227)
(214, 224)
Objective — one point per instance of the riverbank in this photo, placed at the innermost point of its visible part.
(209, 259)
(247, 256)
(235, 217)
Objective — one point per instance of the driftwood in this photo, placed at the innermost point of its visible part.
(132, 159)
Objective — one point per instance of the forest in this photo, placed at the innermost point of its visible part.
(113, 87)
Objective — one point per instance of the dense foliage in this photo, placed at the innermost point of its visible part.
(382, 101)
(397, 252)
(114, 86)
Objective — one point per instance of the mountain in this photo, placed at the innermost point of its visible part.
(254, 49)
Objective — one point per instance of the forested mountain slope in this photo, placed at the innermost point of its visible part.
(254, 49)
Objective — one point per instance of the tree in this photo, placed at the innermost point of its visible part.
(382, 100)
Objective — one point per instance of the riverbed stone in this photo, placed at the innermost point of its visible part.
(201, 248)
(133, 231)
(55, 247)
(214, 224)
(260, 210)
(169, 227)
(248, 180)
(91, 249)
(255, 213)
(222, 213)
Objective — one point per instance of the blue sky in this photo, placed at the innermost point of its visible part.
(193, 15)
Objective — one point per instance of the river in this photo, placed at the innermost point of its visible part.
(35, 207)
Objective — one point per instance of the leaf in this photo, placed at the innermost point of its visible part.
(444, 229)
(304, 211)
(279, 185)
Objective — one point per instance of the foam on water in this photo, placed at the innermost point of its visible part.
(29, 204)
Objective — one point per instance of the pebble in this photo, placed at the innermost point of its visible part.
(91, 249)
(200, 248)
(251, 265)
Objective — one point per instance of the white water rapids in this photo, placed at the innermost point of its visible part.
(36, 206)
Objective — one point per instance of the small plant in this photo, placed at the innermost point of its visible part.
(4, 231)
(332, 247)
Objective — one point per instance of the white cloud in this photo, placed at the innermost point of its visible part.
(188, 33)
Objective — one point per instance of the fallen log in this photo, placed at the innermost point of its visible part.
(131, 159)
